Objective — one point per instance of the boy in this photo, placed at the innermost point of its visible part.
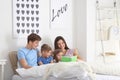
(45, 57)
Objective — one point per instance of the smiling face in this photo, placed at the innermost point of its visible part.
(34, 44)
(46, 53)
(59, 56)
(33, 41)
(61, 44)
(46, 50)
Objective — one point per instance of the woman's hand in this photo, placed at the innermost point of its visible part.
(75, 53)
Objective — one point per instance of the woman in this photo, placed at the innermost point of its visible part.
(60, 43)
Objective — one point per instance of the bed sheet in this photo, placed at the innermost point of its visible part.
(106, 77)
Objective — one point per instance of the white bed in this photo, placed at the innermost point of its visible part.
(56, 71)
(16, 77)
(76, 74)
(13, 59)
(98, 77)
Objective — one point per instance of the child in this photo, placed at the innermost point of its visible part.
(57, 55)
(45, 57)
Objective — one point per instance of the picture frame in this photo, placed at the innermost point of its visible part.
(60, 13)
(25, 17)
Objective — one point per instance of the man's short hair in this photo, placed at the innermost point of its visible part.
(33, 37)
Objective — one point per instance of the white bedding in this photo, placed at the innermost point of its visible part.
(16, 77)
(61, 71)
(98, 77)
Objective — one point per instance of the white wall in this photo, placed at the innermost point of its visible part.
(85, 22)
(91, 23)
(85, 27)
(80, 24)
(8, 43)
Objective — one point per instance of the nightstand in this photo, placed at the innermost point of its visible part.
(2, 63)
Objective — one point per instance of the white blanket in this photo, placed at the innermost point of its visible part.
(61, 70)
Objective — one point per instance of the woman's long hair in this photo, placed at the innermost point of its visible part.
(57, 39)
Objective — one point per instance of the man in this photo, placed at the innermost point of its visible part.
(27, 56)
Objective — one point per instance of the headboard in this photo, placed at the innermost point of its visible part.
(13, 59)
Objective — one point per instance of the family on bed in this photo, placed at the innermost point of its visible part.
(30, 56)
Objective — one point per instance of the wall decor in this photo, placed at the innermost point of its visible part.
(60, 13)
(25, 17)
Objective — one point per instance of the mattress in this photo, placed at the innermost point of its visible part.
(107, 77)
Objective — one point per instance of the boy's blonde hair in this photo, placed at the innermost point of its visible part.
(45, 47)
